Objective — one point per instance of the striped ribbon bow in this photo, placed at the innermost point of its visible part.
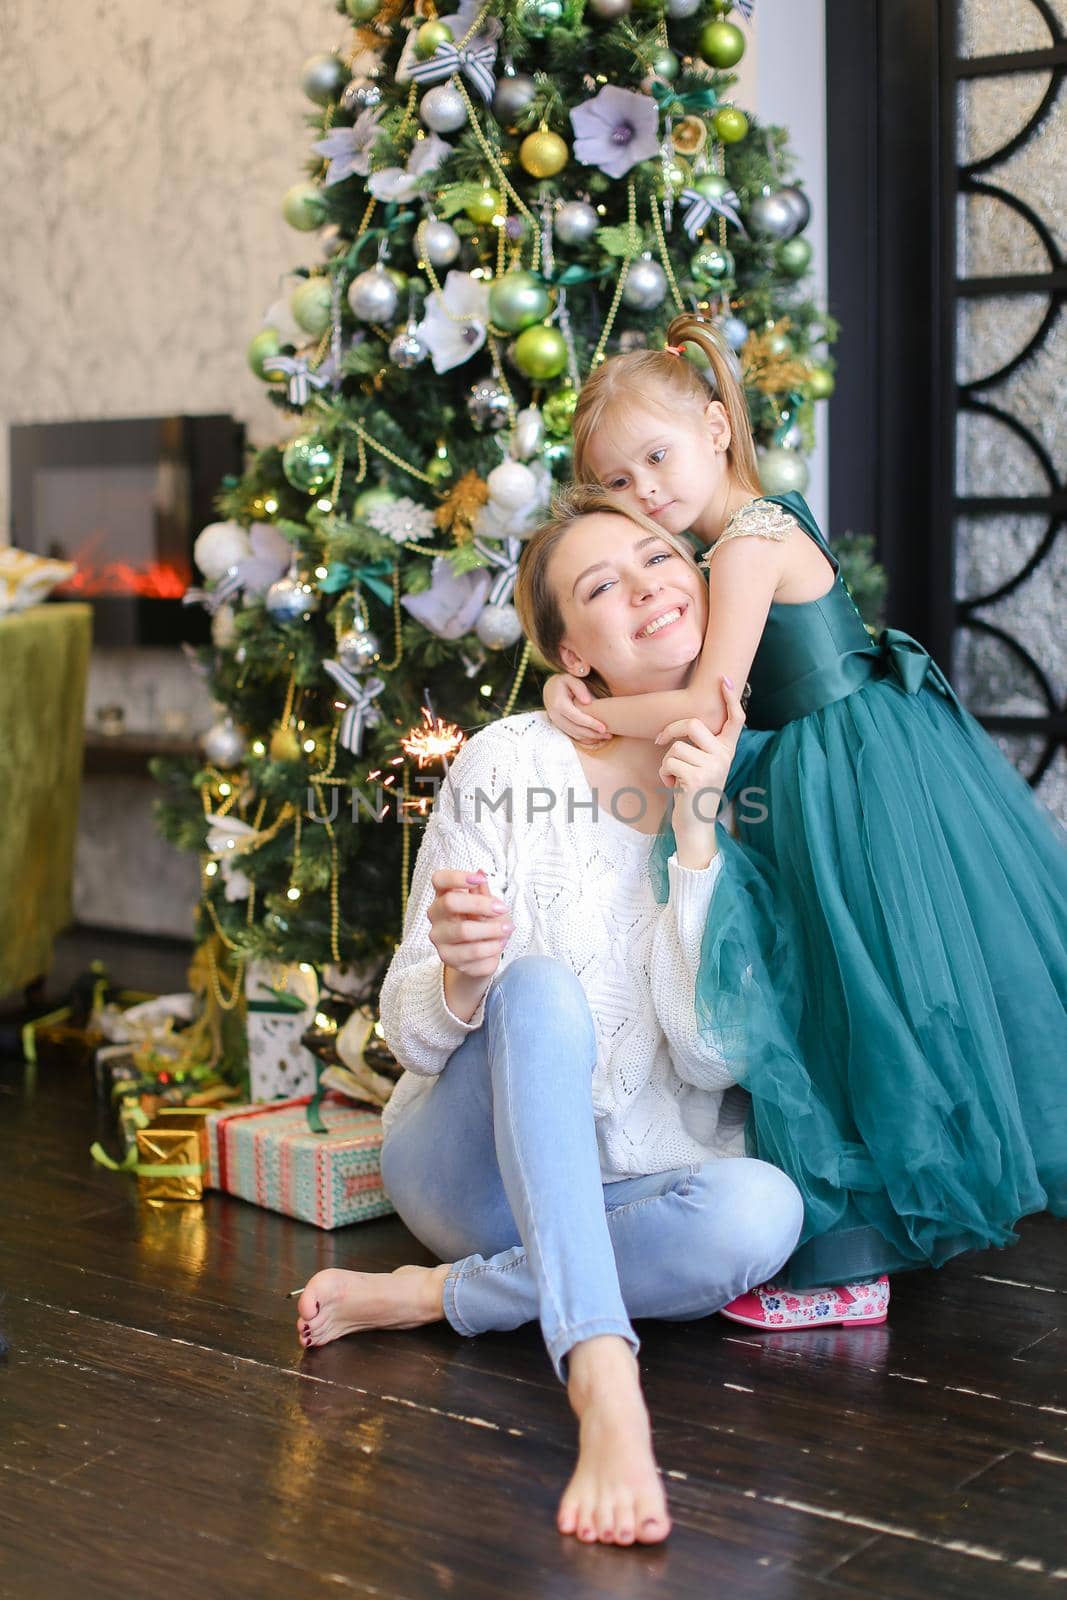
(700, 208)
(226, 589)
(301, 378)
(361, 713)
(505, 557)
(475, 62)
(746, 8)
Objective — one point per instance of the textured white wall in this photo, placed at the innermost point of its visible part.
(144, 150)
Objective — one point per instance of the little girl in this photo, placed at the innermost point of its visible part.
(897, 974)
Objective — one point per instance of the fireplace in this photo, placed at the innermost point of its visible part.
(125, 500)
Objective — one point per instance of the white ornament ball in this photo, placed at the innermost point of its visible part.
(220, 546)
(782, 471)
(374, 296)
(680, 9)
(734, 331)
(224, 744)
(511, 485)
(440, 242)
(223, 627)
(443, 109)
(575, 223)
(646, 285)
(529, 434)
(498, 627)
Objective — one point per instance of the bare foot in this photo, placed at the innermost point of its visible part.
(615, 1495)
(335, 1302)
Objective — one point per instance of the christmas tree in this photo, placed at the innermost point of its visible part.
(501, 197)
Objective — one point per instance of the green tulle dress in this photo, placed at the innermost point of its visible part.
(886, 965)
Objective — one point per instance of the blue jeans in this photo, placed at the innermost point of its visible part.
(496, 1170)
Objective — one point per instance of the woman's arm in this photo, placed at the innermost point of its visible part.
(466, 836)
(675, 965)
(747, 573)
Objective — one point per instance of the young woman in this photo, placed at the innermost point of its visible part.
(563, 1139)
(918, 1094)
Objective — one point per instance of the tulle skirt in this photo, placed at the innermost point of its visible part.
(885, 964)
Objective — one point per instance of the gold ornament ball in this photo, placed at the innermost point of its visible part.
(429, 36)
(484, 207)
(722, 45)
(543, 154)
(284, 745)
(540, 353)
(730, 124)
(821, 383)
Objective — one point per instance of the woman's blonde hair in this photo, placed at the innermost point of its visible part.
(535, 598)
(640, 378)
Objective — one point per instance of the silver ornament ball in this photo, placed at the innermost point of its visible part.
(734, 331)
(513, 95)
(487, 405)
(800, 204)
(646, 285)
(498, 627)
(771, 217)
(441, 243)
(407, 350)
(358, 649)
(373, 296)
(575, 223)
(680, 9)
(224, 744)
(331, 240)
(290, 600)
(323, 77)
(782, 471)
(443, 109)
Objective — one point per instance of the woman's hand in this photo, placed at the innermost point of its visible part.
(468, 929)
(564, 696)
(696, 767)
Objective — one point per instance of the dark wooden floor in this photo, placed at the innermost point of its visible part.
(160, 1427)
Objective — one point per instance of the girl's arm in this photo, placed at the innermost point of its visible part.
(747, 573)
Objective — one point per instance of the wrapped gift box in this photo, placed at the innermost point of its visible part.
(269, 1155)
(170, 1156)
(280, 997)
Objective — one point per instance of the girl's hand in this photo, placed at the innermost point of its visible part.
(564, 697)
(468, 929)
(696, 767)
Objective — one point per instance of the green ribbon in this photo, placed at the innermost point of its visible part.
(912, 665)
(566, 277)
(130, 1163)
(393, 219)
(668, 99)
(282, 1001)
(342, 575)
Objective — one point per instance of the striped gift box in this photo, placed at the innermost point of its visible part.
(269, 1155)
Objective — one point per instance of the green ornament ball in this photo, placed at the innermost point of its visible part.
(558, 456)
(730, 124)
(265, 344)
(439, 470)
(308, 463)
(537, 16)
(821, 383)
(794, 257)
(665, 65)
(363, 10)
(722, 45)
(429, 36)
(311, 305)
(484, 207)
(372, 500)
(540, 353)
(517, 301)
(303, 206)
(711, 264)
(779, 345)
(558, 411)
(323, 77)
(712, 185)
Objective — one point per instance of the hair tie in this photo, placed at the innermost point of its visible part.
(675, 349)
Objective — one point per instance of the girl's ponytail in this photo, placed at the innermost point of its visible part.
(691, 329)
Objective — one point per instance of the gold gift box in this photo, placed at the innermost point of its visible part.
(170, 1155)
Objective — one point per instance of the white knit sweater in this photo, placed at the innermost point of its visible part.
(578, 889)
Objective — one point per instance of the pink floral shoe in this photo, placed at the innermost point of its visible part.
(859, 1304)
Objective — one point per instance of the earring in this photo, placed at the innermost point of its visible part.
(580, 672)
